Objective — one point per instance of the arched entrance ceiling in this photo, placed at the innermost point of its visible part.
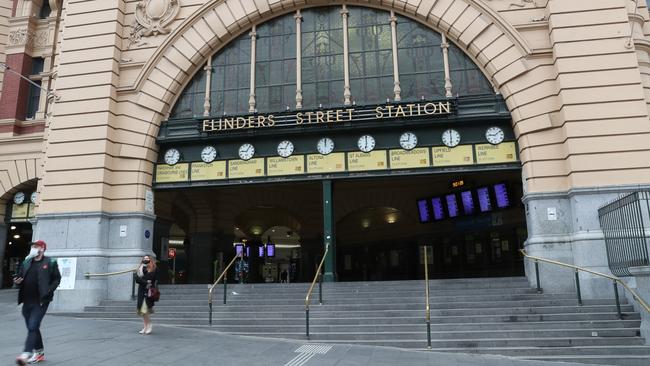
(470, 24)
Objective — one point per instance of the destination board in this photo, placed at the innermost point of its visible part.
(209, 171)
(246, 168)
(172, 173)
(332, 163)
(19, 211)
(459, 155)
(405, 159)
(360, 161)
(285, 166)
(505, 152)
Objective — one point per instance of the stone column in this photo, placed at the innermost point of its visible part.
(642, 277)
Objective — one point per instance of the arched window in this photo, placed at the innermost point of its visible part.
(322, 57)
(371, 49)
(371, 56)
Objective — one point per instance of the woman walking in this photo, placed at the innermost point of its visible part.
(146, 277)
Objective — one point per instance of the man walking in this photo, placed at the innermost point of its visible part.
(37, 279)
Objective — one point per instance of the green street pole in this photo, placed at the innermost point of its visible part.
(328, 233)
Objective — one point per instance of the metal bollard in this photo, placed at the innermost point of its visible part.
(320, 289)
(578, 288)
(307, 323)
(539, 287)
(618, 302)
(133, 288)
(225, 288)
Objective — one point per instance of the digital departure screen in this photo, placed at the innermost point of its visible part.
(467, 199)
(452, 205)
(270, 250)
(484, 201)
(239, 249)
(423, 210)
(260, 251)
(501, 195)
(437, 208)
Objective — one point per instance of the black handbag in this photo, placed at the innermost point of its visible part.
(153, 293)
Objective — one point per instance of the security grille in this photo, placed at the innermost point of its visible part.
(624, 224)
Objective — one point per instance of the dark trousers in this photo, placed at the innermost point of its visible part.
(33, 314)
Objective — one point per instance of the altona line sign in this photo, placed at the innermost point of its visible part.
(327, 116)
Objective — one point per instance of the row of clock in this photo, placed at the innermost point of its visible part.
(366, 143)
(19, 198)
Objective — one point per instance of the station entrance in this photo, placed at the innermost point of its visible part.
(380, 228)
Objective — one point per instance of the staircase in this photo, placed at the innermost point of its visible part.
(490, 316)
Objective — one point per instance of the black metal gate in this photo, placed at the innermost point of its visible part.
(623, 223)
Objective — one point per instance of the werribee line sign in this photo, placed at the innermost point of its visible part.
(328, 116)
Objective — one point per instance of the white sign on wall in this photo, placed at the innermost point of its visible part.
(148, 201)
(68, 269)
(551, 213)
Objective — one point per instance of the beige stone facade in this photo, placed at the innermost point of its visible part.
(575, 76)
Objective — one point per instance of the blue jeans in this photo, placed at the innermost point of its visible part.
(33, 314)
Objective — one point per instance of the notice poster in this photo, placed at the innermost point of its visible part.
(19, 211)
(459, 155)
(209, 171)
(245, 168)
(405, 159)
(68, 269)
(285, 166)
(360, 161)
(331, 163)
(505, 152)
(172, 173)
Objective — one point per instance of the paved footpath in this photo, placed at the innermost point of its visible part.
(71, 342)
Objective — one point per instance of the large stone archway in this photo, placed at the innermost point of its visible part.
(101, 145)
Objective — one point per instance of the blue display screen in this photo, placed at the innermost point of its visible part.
(260, 251)
(438, 209)
(270, 250)
(467, 199)
(423, 210)
(239, 249)
(484, 201)
(501, 195)
(452, 205)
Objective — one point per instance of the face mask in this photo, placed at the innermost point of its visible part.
(33, 253)
(145, 261)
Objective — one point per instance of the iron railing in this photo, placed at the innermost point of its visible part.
(225, 287)
(615, 282)
(427, 309)
(107, 274)
(318, 277)
(623, 223)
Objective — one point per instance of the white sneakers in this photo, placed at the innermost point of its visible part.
(146, 330)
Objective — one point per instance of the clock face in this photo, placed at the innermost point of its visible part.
(494, 135)
(19, 198)
(208, 154)
(172, 156)
(285, 148)
(451, 138)
(325, 145)
(33, 197)
(408, 141)
(366, 143)
(246, 151)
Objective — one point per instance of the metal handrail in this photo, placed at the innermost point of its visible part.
(88, 275)
(225, 285)
(427, 311)
(319, 277)
(644, 305)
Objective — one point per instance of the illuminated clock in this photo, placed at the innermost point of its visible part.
(325, 145)
(33, 197)
(19, 198)
(494, 135)
(246, 151)
(208, 154)
(408, 141)
(451, 138)
(366, 143)
(285, 148)
(172, 156)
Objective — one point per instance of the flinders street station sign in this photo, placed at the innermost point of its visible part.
(328, 116)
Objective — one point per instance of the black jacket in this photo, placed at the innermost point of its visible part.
(142, 287)
(49, 278)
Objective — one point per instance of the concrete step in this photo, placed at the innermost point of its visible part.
(534, 352)
(615, 359)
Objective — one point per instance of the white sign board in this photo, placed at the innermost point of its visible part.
(551, 213)
(122, 231)
(148, 201)
(68, 269)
